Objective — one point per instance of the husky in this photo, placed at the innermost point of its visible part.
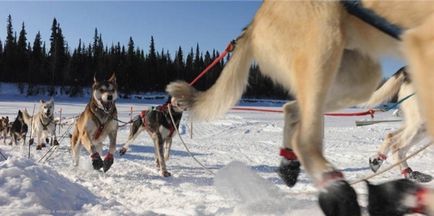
(329, 59)
(409, 134)
(18, 130)
(96, 123)
(42, 124)
(4, 127)
(157, 122)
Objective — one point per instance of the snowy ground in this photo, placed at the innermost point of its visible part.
(133, 187)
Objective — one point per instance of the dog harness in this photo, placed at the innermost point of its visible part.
(356, 8)
(163, 109)
(45, 126)
(100, 125)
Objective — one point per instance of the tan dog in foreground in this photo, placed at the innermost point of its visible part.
(329, 59)
(97, 122)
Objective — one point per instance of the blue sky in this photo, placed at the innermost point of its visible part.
(212, 24)
(172, 23)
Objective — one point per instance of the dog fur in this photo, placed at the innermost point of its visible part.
(4, 127)
(42, 123)
(96, 123)
(18, 130)
(410, 133)
(329, 60)
(158, 124)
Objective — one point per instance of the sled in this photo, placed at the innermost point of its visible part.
(371, 122)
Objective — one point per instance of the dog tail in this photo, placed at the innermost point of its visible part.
(134, 129)
(226, 91)
(388, 90)
(26, 117)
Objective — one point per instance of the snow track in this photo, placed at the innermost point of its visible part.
(133, 186)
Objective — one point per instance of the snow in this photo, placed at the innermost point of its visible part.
(241, 149)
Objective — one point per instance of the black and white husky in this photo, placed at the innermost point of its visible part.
(410, 133)
(42, 123)
(18, 130)
(158, 123)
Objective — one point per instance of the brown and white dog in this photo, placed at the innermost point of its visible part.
(4, 127)
(329, 59)
(157, 122)
(410, 133)
(96, 123)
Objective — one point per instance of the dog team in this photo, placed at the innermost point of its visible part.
(327, 54)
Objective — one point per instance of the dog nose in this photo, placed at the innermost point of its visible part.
(110, 97)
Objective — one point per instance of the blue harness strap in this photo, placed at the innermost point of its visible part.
(355, 8)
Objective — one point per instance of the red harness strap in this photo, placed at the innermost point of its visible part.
(288, 154)
(382, 157)
(98, 132)
(420, 197)
(406, 171)
(330, 177)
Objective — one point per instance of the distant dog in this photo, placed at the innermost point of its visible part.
(42, 123)
(413, 130)
(18, 130)
(4, 127)
(157, 122)
(97, 122)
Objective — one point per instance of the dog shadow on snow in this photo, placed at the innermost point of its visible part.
(139, 148)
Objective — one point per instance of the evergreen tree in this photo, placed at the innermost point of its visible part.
(9, 73)
(179, 64)
(22, 58)
(36, 65)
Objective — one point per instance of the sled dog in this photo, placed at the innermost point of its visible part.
(411, 132)
(157, 123)
(97, 122)
(42, 123)
(18, 130)
(329, 59)
(4, 127)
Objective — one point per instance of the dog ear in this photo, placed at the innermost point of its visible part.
(113, 78)
(42, 101)
(94, 78)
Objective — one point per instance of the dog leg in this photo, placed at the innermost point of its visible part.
(167, 147)
(135, 129)
(97, 162)
(40, 144)
(108, 160)
(159, 153)
(418, 48)
(289, 167)
(75, 147)
(410, 137)
(390, 140)
(313, 76)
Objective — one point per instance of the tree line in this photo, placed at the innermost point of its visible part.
(38, 67)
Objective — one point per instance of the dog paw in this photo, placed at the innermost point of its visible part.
(165, 173)
(97, 162)
(122, 151)
(31, 141)
(339, 199)
(39, 147)
(390, 198)
(289, 171)
(419, 177)
(375, 163)
(56, 143)
(108, 162)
